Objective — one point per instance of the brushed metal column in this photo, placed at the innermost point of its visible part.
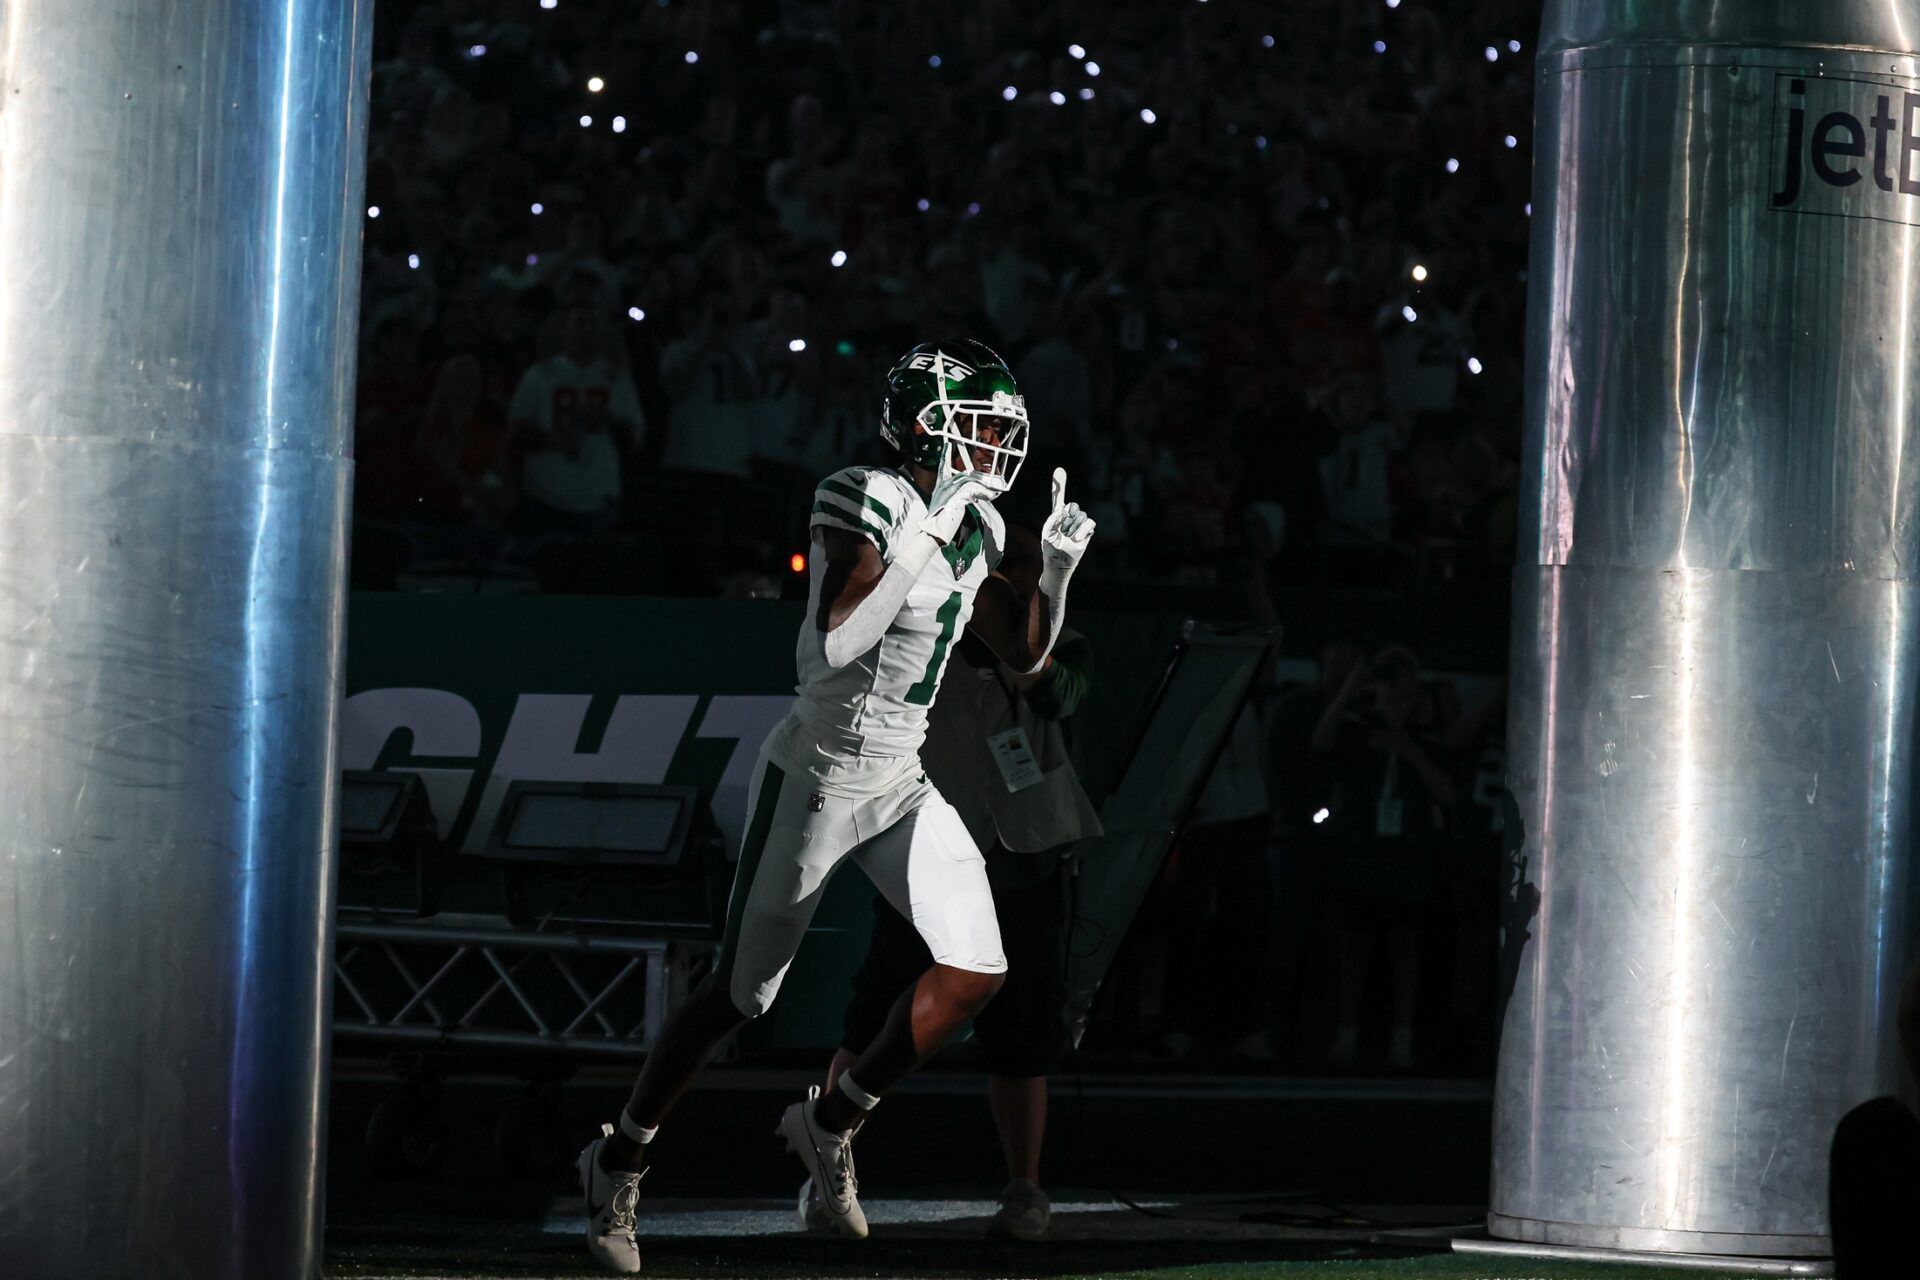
(180, 189)
(1713, 680)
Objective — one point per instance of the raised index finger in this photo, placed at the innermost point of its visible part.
(1059, 487)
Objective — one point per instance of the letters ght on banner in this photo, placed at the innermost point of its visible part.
(642, 737)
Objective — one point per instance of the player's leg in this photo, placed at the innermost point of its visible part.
(925, 864)
(775, 888)
(611, 1166)
(689, 1037)
(895, 959)
(794, 840)
(928, 868)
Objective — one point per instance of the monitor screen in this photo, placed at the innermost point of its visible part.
(621, 824)
(366, 805)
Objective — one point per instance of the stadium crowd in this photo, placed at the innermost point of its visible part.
(635, 272)
(628, 265)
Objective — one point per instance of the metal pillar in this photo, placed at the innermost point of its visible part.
(180, 189)
(1713, 679)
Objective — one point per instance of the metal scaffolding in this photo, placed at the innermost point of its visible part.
(463, 986)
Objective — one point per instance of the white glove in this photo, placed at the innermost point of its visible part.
(1064, 537)
(948, 505)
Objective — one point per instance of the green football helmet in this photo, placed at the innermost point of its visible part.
(952, 407)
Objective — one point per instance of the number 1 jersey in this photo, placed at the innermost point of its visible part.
(876, 705)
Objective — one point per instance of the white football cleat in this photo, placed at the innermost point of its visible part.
(814, 1217)
(611, 1198)
(1025, 1212)
(829, 1160)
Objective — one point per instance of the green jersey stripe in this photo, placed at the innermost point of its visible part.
(858, 499)
(750, 850)
(961, 551)
(851, 520)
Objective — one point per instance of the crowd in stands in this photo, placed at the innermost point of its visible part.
(635, 272)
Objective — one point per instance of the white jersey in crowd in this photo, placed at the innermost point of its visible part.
(554, 393)
(876, 706)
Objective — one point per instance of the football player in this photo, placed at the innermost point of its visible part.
(901, 559)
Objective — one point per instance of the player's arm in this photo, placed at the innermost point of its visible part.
(861, 592)
(1023, 636)
(854, 569)
(1063, 683)
(1015, 629)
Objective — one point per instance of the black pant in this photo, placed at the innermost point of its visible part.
(1023, 1030)
(1874, 1191)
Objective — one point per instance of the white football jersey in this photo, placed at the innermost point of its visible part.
(876, 705)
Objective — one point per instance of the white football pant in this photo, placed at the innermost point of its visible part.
(909, 841)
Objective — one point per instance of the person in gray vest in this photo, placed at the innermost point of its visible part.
(997, 749)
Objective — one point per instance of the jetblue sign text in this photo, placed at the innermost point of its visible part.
(1846, 148)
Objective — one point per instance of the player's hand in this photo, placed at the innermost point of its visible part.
(948, 505)
(1064, 537)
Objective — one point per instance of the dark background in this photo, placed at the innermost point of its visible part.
(1208, 313)
(1262, 281)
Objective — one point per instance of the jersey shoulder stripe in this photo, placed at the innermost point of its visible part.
(864, 500)
(856, 497)
(837, 515)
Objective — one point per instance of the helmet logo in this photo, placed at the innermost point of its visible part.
(943, 366)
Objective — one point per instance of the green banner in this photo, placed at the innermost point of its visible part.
(475, 691)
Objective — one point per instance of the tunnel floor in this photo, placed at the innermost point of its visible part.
(945, 1239)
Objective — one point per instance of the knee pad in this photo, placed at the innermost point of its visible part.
(970, 937)
(752, 998)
